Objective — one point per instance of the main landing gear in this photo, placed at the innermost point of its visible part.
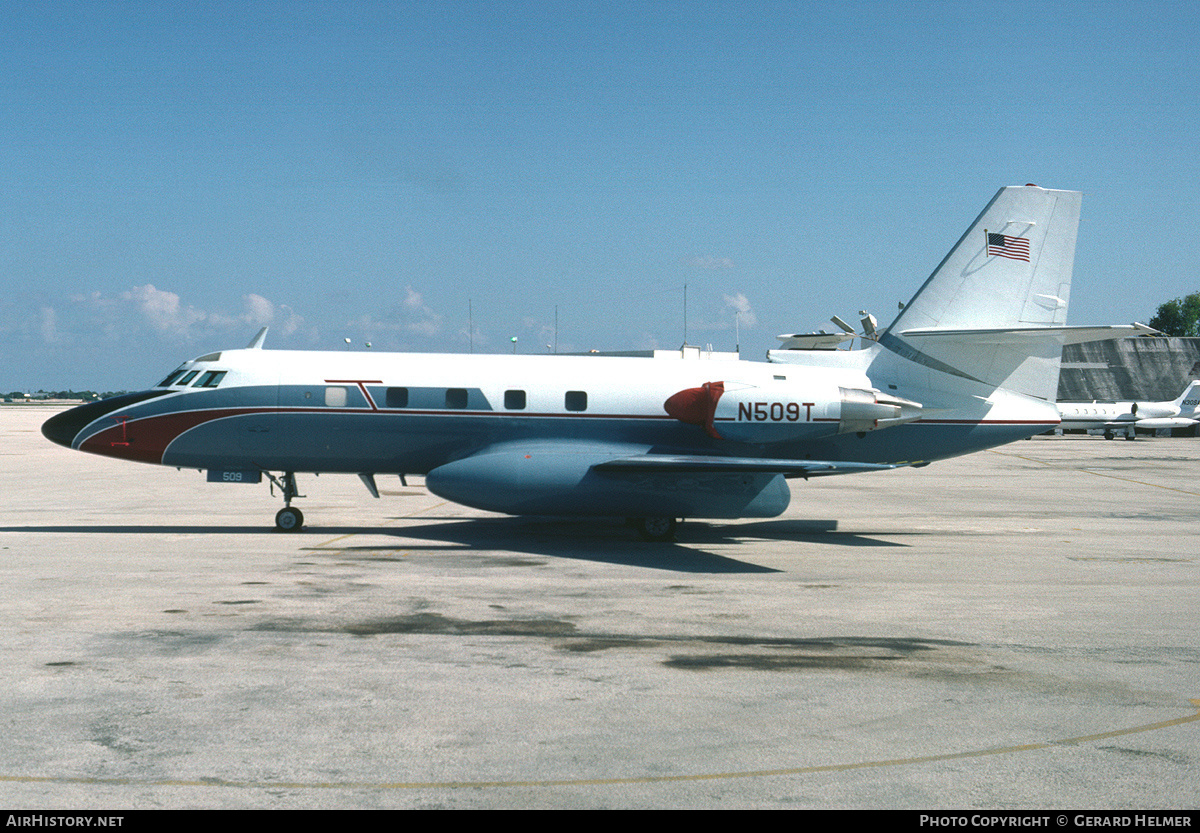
(289, 518)
(655, 529)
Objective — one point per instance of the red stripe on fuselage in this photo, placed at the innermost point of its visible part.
(145, 440)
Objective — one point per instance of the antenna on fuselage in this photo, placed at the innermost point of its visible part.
(257, 342)
(685, 313)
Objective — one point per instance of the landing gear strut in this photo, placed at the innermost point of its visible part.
(289, 518)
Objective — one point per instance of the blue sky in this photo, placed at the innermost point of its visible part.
(174, 178)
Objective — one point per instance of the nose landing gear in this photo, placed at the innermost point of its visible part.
(289, 518)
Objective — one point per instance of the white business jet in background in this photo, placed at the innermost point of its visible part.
(1126, 417)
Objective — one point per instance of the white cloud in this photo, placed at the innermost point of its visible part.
(740, 304)
(163, 310)
(420, 319)
(166, 314)
(259, 311)
(411, 317)
(291, 321)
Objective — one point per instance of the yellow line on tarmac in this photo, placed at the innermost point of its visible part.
(413, 514)
(1096, 473)
(583, 782)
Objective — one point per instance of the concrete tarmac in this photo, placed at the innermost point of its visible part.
(1013, 629)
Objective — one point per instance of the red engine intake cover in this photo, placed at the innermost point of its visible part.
(696, 406)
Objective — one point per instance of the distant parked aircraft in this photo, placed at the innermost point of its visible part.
(1126, 417)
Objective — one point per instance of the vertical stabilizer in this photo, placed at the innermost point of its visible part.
(991, 310)
(1188, 402)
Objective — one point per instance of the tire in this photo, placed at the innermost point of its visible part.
(656, 529)
(289, 519)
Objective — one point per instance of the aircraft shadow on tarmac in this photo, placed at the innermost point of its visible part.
(613, 543)
(582, 539)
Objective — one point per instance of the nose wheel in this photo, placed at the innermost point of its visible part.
(289, 518)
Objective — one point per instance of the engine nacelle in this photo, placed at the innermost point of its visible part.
(1165, 422)
(547, 478)
(786, 412)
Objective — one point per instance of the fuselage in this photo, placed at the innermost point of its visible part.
(1092, 415)
(410, 413)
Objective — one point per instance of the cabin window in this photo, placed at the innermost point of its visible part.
(514, 400)
(576, 400)
(166, 383)
(397, 397)
(335, 397)
(456, 397)
(189, 377)
(211, 379)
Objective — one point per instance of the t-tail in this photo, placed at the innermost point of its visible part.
(995, 310)
(1188, 402)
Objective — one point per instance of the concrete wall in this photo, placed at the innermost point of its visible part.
(1152, 369)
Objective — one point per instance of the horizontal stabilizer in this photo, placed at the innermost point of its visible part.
(683, 464)
(1060, 335)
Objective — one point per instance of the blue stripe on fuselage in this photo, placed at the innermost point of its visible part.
(338, 440)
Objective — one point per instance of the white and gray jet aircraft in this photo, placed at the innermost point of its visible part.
(971, 362)
(1126, 417)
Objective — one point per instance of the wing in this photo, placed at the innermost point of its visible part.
(683, 464)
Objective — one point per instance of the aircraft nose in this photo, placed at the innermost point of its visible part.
(65, 427)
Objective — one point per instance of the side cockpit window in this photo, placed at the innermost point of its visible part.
(210, 379)
(170, 380)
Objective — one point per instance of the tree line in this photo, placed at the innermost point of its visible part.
(81, 395)
(1180, 317)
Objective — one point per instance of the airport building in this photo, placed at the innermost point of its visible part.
(1128, 369)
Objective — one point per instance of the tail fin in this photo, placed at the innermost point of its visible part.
(1188, 402)
(995, 309)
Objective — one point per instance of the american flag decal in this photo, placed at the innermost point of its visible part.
(1001, 244)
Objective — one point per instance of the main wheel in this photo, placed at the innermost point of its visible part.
(656, 529)
(289, 519)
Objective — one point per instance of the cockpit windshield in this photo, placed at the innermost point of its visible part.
(182, 377)
(210, 379)
(170, 380)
